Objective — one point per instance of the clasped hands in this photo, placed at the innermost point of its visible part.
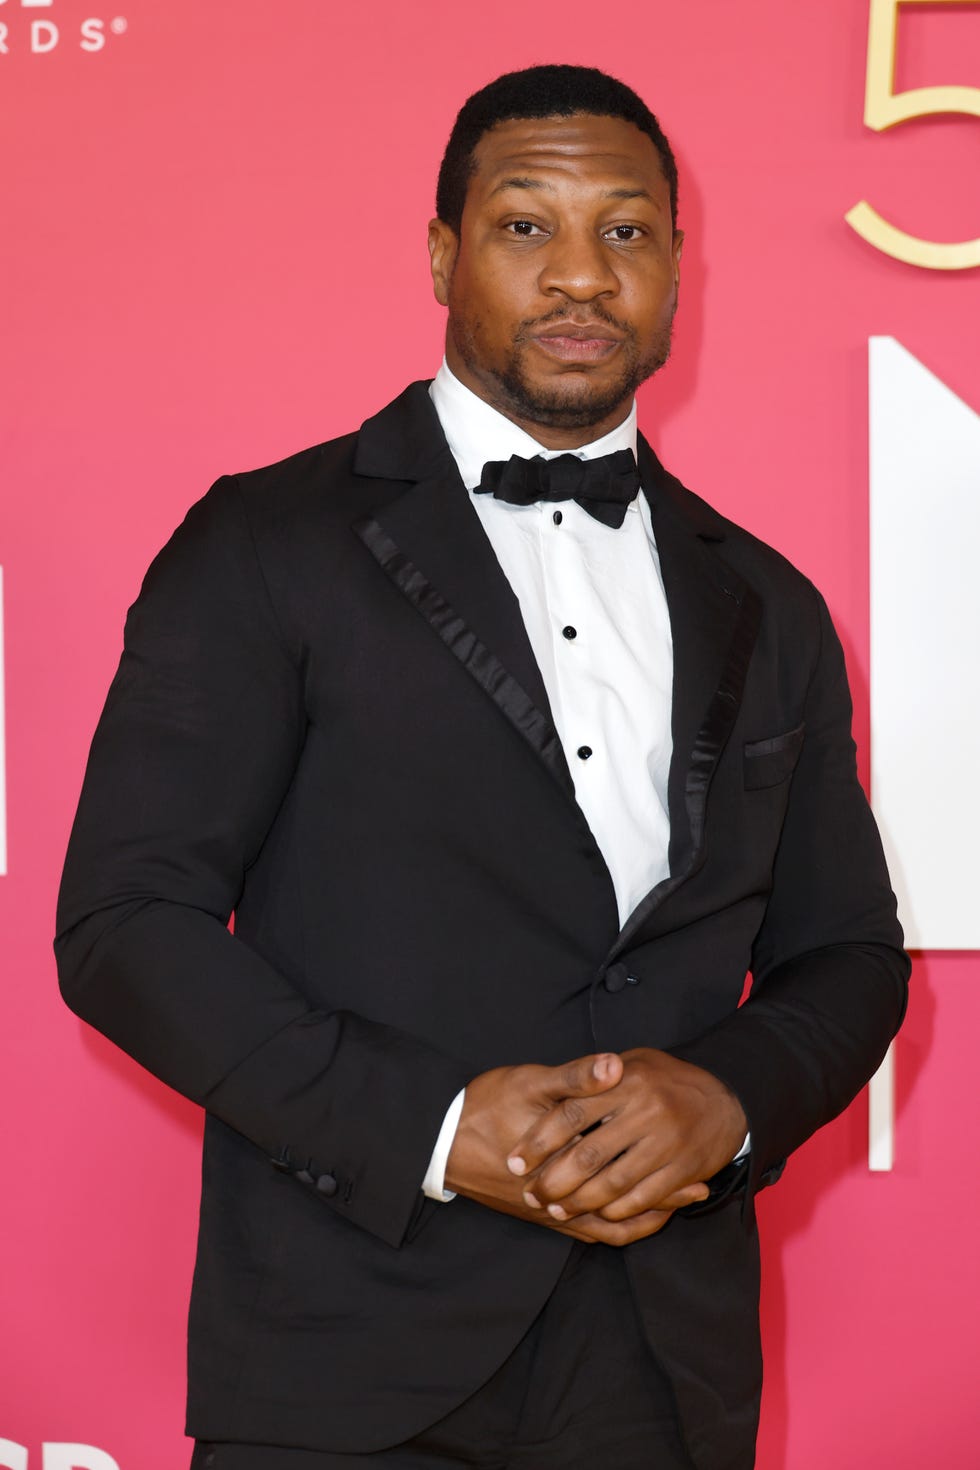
(604, 1148)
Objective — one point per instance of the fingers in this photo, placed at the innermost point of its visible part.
(552, 1133)
(608, 1198)
(606, 1172)
(616, 1192)
(575, 1090)
(608, 1152)
(618, 1232)
(648, 1196)
(595, 1230)
(664, 1131)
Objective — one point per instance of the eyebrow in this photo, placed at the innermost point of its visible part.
(630, 194)
(526, 183)
(521, 183)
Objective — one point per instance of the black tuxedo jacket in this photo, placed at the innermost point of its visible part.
(328, 721)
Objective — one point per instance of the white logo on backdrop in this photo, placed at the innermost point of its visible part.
(55, 1457)
(40, 35)
(925, 629)
(925, 632)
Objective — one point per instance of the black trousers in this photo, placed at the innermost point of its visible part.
(581, 1391)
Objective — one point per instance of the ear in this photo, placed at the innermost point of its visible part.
(443, 249)
(676, 248)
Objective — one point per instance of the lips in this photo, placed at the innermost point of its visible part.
(577, 342)
(580, 331)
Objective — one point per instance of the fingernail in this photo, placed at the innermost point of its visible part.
(530, 1199)
(557, 1212)
(516, 1165)
(601, 1067)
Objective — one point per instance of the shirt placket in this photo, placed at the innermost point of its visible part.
(571, 632)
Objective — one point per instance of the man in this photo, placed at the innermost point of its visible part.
(509, 769)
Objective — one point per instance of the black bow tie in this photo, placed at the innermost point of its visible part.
(604, 486)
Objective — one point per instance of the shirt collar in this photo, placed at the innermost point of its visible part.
(477, 433)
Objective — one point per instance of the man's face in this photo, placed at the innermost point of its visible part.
(562, 284)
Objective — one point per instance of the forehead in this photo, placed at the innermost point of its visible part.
(607, 151)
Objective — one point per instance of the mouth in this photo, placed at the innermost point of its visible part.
(577, 342)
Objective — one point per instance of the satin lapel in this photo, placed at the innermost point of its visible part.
(714, 620)
(430, 543)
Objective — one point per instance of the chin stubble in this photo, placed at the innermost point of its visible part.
(578, 408)
(555, 408)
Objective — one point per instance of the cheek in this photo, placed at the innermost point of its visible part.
(488, 315)
(469, 295)
(653, 308)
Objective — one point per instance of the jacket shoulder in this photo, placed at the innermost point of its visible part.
(304, 481)
(769, 570)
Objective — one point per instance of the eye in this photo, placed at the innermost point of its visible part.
(625, 234)
(525, 228)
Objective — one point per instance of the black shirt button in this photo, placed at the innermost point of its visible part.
(557, 517)
(569, 633)
(583, 752)
(327, 1185)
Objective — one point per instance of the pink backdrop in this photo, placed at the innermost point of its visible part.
(205, 219)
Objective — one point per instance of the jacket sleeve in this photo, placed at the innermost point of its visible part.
(195, 751)
(829, 975)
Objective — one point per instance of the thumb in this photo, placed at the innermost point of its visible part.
(586, 1076)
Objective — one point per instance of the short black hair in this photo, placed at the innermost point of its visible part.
(541, 91)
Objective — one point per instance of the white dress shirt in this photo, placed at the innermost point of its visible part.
(593, 604)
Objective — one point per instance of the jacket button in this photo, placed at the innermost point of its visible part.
(327, 1185)
(281, 1161)
(304, 1176)
(615, 979)
(632, 979)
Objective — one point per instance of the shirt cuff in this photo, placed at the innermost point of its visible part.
(743, 1152)
(433, 1185)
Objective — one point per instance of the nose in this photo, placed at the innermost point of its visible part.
(578, 265)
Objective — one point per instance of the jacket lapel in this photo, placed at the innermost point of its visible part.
(429, 541)
(714, 620)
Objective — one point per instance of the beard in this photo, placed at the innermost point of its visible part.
(561, 405)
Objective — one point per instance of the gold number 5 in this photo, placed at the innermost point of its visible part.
(883, 108)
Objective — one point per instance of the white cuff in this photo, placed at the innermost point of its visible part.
(433, 1185)
(744, 1150)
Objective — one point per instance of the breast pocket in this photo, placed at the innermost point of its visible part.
(768, 762)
